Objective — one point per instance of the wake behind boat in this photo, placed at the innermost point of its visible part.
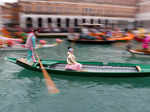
(92, 69)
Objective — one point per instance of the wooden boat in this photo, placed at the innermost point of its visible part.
(125, 38)
(92, 41)
(139, 51)
(52, 35)
(92, 69)
(139, 39)
(108, 40)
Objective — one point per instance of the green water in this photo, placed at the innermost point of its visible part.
(22, 90)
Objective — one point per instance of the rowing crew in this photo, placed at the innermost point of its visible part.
(72, 64)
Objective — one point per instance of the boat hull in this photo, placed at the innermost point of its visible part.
(139, 39)
(139, 52)
(142, 71)
(52, 35)
(93, 41)
(108, 41)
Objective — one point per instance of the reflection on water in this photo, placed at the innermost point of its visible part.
(131, 82)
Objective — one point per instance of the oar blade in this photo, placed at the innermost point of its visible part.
(50, 84)
(53, 90)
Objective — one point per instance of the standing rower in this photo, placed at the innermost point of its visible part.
(30, 45)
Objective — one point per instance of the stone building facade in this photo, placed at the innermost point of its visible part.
(71, 13)
(10, 13)
(143, 13)
(1, 21)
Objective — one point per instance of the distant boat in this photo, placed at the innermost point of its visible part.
(21, 48)
(52, 35)
(92, 41)
(139, 51)
(139, 39)
(104, 41)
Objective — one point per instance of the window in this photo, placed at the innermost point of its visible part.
(76, 22)
(99, 21)
(27, 8)
(29, 22)
(67, 22)
(50, 9)
(83, 20)
(59, 22)
(39, 8)
(49, 20)
(40, 22)
(92, 21)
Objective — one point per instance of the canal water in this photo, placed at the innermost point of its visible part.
(23, 90)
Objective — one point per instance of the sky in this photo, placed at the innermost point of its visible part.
(3, 1)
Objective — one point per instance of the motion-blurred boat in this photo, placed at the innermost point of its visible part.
(92, 69)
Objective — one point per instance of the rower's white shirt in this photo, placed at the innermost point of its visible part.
(71, 59)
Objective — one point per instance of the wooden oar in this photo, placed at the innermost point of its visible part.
(58, 41)
(48, 45)
(50, 84)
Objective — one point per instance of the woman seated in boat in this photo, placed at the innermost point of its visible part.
(72, 64)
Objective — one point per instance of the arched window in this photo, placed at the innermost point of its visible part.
(135, 24)
(49, 20)
(106, 22)
(67, 22)
(99, 21)
(76, 22)
(83, 20)
(92, 21)
(40, 21)
(59, 22)
(29, 22)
